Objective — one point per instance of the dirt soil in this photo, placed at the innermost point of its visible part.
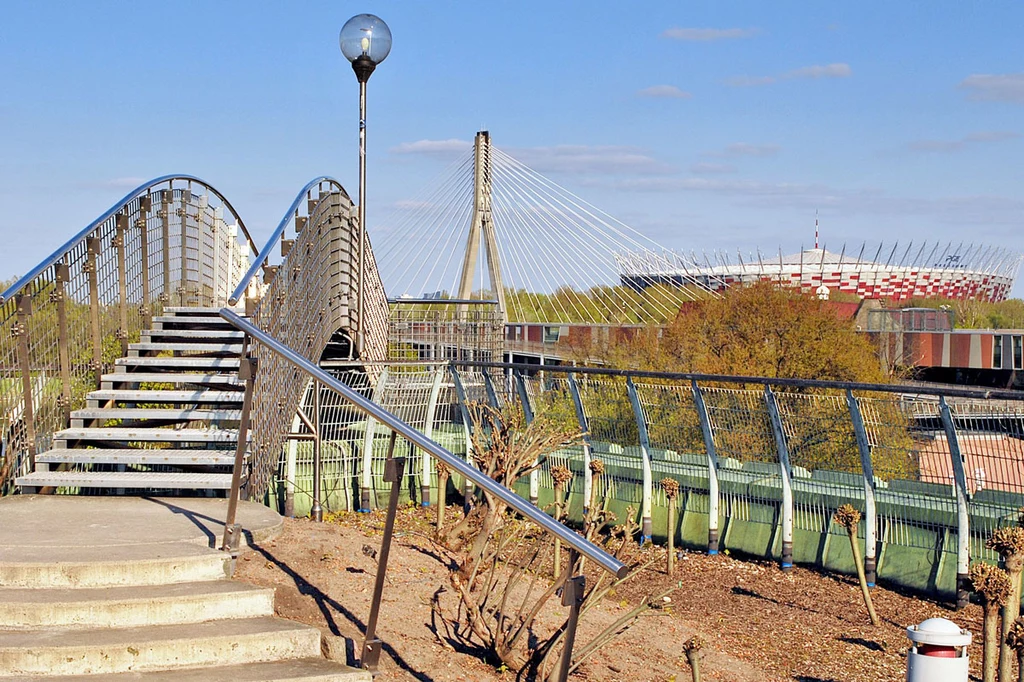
(760, 624)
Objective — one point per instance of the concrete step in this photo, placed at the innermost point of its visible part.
(173, 378)
(42, 566)
(149, 435)
(185, 347)
(167, 457)
(225, 364)
(296, 670)
(126, 607)
(158, 647)
(140, 413)
(125, 480)
(200, 396)
(208, 334)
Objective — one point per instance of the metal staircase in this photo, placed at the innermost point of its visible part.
(165, 420)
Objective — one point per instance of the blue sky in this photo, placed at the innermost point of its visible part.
(703, 125)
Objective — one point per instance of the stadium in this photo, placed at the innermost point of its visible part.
(888, 272)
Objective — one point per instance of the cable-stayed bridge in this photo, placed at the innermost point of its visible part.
(492, 228)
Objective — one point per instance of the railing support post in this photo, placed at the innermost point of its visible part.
(963, 516)
(394, 467)
(712, 455)
(24, 303)
(247, 373)
(120, 236)
(870, 514)
(460, 395)
(92, 251)
(572, 596)
(426, 465)
(366, 471)
(316, 511)
(645, 460)
(524, 402)
(61, 276)
(787, 488)
(581, 419)
(146, 309)
(186, 196)
(165, 241)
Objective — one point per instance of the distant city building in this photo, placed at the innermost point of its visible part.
(931, 271)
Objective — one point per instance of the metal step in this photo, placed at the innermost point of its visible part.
(172, 378)
(192, 319)
(178, 363)
(139, 413)
(185, 346)
(195, 333)
(127, 479)
(198, 310)
(152, 435)
(167, 396)
(132, 456)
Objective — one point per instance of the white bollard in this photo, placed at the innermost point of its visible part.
(938, 652)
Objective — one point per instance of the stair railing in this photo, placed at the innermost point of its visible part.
(394, 468)
(172, 241)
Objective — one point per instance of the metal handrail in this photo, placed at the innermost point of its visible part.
(368, 407)
(915, 389)
(134, 194)
(276, 235)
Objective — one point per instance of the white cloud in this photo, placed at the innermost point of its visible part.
(966, 141)
(821, 71)
(588, 159)
(813, 72)
(707, 35)
(737, 149)
(664, 91)
(1007, 87)
(712, 168)
(436, 147)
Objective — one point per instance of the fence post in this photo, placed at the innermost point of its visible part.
(366, 473)
(963, 516)
(787, 488)
(712, 454)
(120, 236)
(460, 395)
(492, 395)
(59, 296)
(145, 310)
(581, 418)
(92, 251)
(524, 400)
(166, 196)
(870, 514)
(645, 461)
(246, 372)
(428, 431)
(186, 197)
(24, 304)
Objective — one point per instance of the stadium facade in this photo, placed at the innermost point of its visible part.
(888, 272)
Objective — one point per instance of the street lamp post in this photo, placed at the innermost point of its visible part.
(365, 41)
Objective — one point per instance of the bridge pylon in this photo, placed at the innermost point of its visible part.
(482, 225)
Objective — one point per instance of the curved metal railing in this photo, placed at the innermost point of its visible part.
(172, 241)
(292, 214)
(308, 301)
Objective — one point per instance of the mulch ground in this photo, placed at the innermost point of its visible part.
(760, 624)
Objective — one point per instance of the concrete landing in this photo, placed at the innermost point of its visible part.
(59, 526)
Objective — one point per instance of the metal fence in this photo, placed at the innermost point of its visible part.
(174, 241)
(762, 464)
